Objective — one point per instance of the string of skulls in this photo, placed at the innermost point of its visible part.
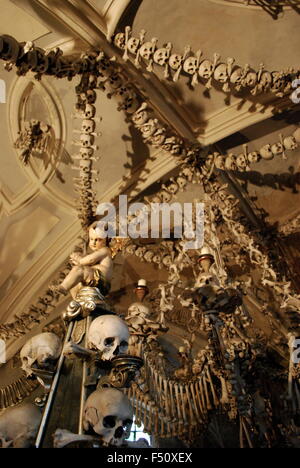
(229, 74)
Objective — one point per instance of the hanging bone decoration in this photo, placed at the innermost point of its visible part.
(86, 111)
(34, 138)
(16, 392)
(200, 68)
(243, 161)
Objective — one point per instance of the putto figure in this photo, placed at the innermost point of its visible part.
(94, 269)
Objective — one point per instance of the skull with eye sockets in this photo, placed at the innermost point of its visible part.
(266, 152)
(40, 352)
(109, 335)
(109, 414)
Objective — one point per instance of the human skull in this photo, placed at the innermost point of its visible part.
(161, 56)
(167, 260)
(88, 126)
(156, 258)
(265, 80)
(290, 143)
(130, 105)
(220, 73)
(165, 196)
(114, 81)
(109, 414)
(190, 65)
(86, 140)
(241, 161)
(176, 149)
(137, 309)
(133, 45)
(86, 153)
(187, 173)
(91, 96)
(19, 426)
(159, 137)
(253, 157)
(140, 117)
(207, 287)
(104, 70)
(130, 249)
(119, 40)
(236, 76)
(149, 128)
(148, 256)
(206, 69)
(173, 187)
(175, 61)
(278, 81)
(181, 181)
(220, 162)
(266, 152)
(250, 79)
(140, 251)
(109, 335)
(230, 162)
(169, 143)
(147, 50)
(40, 352)
(89, 111)
(277, 148)
(85, 165)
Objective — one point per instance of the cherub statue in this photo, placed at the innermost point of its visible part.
(94, 269)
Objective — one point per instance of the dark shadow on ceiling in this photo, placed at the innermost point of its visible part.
(261, 129)
(129, 15)
(275, 8)
(48, 19)
(287, 180)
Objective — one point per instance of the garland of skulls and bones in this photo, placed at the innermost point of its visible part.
(229, 74)
(155, 133)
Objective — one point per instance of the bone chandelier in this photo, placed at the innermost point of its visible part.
(117, 366)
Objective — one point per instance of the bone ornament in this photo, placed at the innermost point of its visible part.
(207, 68)
(19, 426)
(147, 51)
(40, 352)
(161, 57)
(109, 335)
(266, 152)
(191, 65)
(108, 413)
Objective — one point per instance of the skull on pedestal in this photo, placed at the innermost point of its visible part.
(109, 335)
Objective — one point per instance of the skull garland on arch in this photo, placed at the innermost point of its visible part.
(108, 413)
